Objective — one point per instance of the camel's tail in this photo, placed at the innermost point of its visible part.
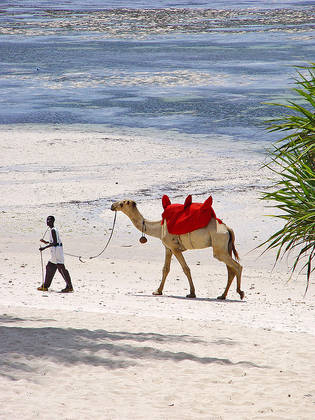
(231, 244)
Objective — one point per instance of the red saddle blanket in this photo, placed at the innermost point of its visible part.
(184, 218)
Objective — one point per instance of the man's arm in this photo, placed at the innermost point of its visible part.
(54, 243)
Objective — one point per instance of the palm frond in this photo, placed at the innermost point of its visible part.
(292, 159)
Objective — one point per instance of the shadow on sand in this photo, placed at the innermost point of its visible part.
(26, 350)
(195, 299)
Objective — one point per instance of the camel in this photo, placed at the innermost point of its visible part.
(218, 236)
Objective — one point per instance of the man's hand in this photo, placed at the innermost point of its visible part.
(44, 242)
(42, 248)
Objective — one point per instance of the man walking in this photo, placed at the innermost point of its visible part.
(56, 261)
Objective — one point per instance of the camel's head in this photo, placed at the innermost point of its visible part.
(123, 205)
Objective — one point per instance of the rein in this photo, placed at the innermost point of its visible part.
(100, 253)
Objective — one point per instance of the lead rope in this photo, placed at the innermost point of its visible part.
(100, 253)
(109, 239)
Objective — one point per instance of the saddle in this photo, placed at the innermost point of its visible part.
(187, 217)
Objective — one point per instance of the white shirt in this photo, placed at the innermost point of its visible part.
(57, 256)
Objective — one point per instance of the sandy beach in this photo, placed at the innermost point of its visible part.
(112, 350)
(105, 101)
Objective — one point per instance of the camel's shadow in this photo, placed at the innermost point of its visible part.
(195, 299)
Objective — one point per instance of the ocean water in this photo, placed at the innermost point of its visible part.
(200, 68)
(181, 86)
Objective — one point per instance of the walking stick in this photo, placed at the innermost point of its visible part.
(41, 259)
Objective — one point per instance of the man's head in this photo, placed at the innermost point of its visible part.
(50, 221)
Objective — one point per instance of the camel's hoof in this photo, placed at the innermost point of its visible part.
(222, 297)
(157, 293)
(191, 295)
(242, 294)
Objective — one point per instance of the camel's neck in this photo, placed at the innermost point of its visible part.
(146, 226)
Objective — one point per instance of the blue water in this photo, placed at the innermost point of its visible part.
(198, 67)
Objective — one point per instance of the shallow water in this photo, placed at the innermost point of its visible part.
(203, 68)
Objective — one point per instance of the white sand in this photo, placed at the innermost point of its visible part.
(111, 350)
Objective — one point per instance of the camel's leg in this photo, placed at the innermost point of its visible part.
(238, 287)
(231, 275)
(233, 267)
(165, 271)
(186, 269)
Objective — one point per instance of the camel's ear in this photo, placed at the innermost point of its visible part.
(187, 201)
(165, 201)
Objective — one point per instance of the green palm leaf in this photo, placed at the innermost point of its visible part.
(292, 159)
